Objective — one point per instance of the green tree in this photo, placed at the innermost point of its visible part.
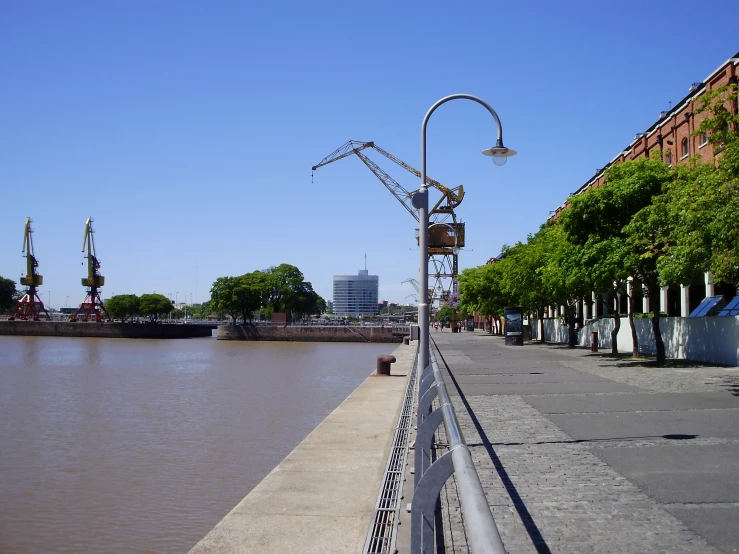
(702, 203)
(445, 314)
(123, 306)
(200, 311)
(481, 291)
(154, 305)
(522, 276)
(565, 275)
(8, 295)
(285, 284)
(597, 220)
(237, 296)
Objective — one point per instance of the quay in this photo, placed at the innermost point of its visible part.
(576, 452)
(321, 497)
(105, 330)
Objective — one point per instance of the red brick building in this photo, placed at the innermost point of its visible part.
(672, 136)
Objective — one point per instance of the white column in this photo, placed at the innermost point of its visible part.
(595, 304)
(684, 301)
(644, 300)
(710, 289)
(663, 299)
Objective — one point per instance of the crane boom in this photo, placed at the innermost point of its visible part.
(32, 278)
(450, 199)
(441, 251)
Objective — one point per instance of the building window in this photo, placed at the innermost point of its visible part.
(703, 138)
(668, 157)
(684, 149)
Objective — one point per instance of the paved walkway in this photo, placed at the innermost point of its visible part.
(587, 453)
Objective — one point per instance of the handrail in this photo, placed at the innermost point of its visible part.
(482, 533)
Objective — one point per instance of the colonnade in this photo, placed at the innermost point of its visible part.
(588, 312)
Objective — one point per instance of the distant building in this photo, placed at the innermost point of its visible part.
(356, 295)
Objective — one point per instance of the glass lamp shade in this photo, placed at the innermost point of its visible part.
(499, 154)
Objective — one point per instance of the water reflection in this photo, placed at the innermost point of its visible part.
(126, 446)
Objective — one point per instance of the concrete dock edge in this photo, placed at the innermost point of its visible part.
(321, 497)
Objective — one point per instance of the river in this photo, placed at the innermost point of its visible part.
(117, 445)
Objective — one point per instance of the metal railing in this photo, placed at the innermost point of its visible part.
(430, 475)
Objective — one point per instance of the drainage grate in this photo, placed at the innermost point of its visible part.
(384, 528)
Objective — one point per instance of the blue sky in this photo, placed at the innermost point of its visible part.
(187, 130)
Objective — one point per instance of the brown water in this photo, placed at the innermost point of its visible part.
(115, 445)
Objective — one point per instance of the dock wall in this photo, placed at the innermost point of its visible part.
(309, 333)
(104, 330)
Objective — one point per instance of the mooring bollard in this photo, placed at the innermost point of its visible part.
(594, 341)
(383, 364)
(407, 339)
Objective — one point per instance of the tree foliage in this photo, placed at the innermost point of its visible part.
(649, 222)
(154, 305)
(123, 306)
(278, 289)
(7, 294)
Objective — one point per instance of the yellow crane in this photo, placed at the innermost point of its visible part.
(92, 306)
(30, 305)
(443, 245)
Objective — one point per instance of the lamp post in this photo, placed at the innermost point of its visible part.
(499, 153)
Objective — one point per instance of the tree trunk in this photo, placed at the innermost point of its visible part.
(614, 333)
(634, 338)
(540, 315)
(571, 321)
(658, 342)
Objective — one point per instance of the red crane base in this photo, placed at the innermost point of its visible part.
(91, 309)
(29, 307)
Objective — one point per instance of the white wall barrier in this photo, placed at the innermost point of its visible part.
(700, 339)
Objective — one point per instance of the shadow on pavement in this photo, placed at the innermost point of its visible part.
(523, 512)
(673, 437)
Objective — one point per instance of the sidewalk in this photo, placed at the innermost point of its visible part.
(587, 453)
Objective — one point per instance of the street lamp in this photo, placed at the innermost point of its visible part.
(499, 153)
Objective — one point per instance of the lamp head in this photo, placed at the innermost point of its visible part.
(499, 153)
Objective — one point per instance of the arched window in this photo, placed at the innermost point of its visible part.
(703, 138)
(668, 157)
(684, 148)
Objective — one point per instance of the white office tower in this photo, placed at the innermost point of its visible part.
(355, 295)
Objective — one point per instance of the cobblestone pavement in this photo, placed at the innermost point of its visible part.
(555, 491)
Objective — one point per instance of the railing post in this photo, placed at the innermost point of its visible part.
(424, 504)
(482, 533)
(424, 442)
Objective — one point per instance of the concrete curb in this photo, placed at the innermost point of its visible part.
(321, 497)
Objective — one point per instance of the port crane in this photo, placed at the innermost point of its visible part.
(92, 307)
(417, 287)
(443, 245)
(30, 305)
